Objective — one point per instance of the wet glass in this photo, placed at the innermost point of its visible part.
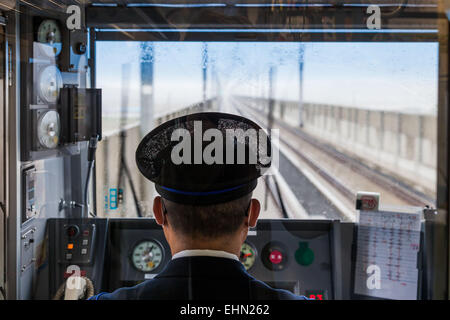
(351, 117)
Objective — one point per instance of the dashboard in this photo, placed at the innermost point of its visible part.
(311, 258)
(300, 256)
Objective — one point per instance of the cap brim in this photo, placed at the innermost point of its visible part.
(208, 197)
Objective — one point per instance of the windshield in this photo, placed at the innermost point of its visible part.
(349, 117)
(305, 143)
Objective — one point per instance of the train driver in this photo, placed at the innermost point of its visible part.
(205, 207)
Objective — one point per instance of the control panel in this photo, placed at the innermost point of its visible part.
(58, 111)
(311, 258)
(299, 256)
(28, 193)
(74, 245)
(303, 257)
(137, 251)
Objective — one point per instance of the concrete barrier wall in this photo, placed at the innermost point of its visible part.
(399, 144)
(108, 159)
(108, 164)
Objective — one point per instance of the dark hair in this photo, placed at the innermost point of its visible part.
(207, 221)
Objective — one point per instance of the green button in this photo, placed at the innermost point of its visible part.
(304, 255)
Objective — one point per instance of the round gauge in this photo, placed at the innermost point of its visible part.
(48, 129)
(49, 83)
(50, 33)
(247, 255)
(274, 256)
(147, 255)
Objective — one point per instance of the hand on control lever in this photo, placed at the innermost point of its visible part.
(75, 288)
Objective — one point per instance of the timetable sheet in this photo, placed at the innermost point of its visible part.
(386, 254)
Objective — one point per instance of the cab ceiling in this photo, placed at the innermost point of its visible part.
(256, 20)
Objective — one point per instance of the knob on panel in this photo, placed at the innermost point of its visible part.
(72, 231)
(275, 256)
(304, 255)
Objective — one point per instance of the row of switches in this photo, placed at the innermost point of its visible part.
(72, 232)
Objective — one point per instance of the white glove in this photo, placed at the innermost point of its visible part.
(75, 288)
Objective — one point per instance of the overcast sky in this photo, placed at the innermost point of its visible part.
(390, 76)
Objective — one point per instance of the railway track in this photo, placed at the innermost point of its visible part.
(398, 189)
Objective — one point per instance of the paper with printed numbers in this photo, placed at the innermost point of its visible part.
(389, 240)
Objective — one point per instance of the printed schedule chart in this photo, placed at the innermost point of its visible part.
(386, 254)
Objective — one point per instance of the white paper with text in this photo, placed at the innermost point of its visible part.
(389, 241)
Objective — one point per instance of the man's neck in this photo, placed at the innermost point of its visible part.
(206, 244)
(205, 253)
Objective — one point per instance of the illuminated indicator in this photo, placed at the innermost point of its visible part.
(113, 199)
(316, 294)
(70, 246)
(72, 231)
(275, 257)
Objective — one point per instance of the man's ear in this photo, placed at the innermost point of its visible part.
(158, 211)
(253, 212)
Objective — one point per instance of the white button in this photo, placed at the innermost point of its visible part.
(83, 251)
(85, 242)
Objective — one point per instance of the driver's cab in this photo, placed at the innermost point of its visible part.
(355, 205)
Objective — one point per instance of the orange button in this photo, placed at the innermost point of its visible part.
(70, 246)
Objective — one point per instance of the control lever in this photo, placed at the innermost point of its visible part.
(75, 288)
(92, 147)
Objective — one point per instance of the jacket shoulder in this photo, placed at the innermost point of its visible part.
(130, 293)
(262, 291)
(168, 289)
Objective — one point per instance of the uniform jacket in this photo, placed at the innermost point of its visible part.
(201, 278)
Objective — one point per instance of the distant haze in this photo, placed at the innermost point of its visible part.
(390, 76)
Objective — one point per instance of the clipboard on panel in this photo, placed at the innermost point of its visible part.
(387, 255)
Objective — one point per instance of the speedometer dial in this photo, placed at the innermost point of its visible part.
(247, 255)
(147, 255)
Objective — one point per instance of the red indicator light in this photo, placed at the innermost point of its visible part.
(316, 296)
(72, 231)
(275, 257)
